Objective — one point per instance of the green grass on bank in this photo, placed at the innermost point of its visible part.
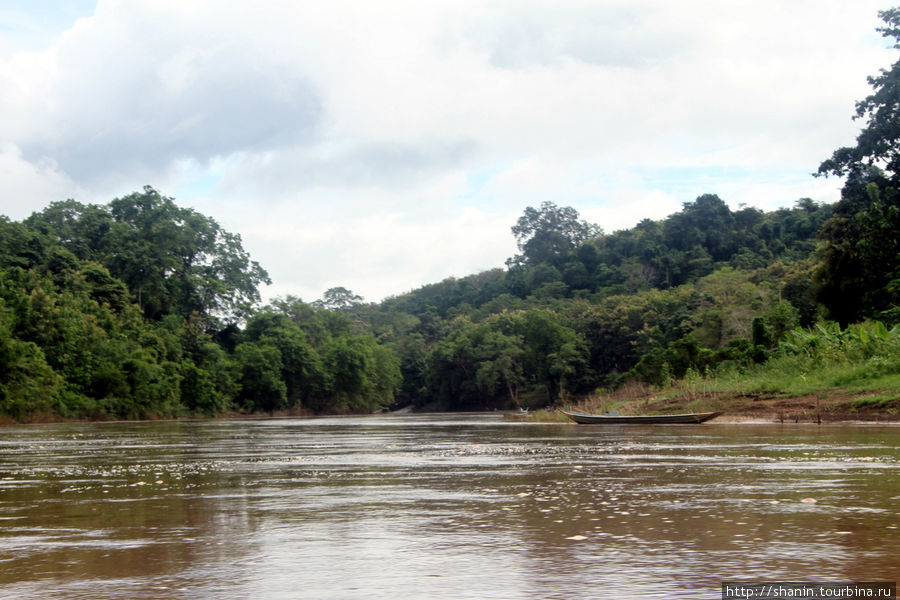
(861, 359)
(850, 370)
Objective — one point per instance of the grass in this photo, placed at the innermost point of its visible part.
(796, 376)
(789, 387)
(876, 401)
(824, 372)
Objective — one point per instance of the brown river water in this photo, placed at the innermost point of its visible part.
(441, 506)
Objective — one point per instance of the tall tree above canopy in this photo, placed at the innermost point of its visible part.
(878, 144)
(550, 232)
(184, 260)
(340, 299)
(173, 259)
(860, 273)
(706, 222)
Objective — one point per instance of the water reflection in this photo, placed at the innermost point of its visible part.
(453, 506)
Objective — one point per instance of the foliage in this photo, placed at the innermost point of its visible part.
(116, 312)
(322, 363)
(860, 271)
(339, 298)
(27, 383)
(173, 259)
(101, 336)
(550, 232)
(879, 141)
(690, 285)
(864, 357)
(860, 274)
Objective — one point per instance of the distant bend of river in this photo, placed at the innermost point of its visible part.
(440, 506)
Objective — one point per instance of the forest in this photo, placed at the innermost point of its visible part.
(141, 308)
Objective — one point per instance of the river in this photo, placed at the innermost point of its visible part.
(440, 506)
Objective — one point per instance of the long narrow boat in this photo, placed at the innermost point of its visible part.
(588, 419)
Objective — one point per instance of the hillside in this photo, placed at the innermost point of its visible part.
(143, 309)
(570, 315)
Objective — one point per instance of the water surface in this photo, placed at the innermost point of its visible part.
(449, 506)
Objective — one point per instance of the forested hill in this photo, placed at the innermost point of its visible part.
(141, 308)
(579, 309)
(563, 257)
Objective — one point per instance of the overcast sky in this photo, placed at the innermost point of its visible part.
(381, 145)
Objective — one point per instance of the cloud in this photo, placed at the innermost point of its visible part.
(25, 182)
(621, 34)
(124, 91)
(381, 146)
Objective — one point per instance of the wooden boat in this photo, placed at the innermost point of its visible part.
(614, 418)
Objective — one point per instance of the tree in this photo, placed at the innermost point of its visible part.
(339, 298)
(19, 246)
(387, 377)
(860, 275)
(350, 364)
(28, 385)
(550, 232)
(301, 365)
(261, 387)
(179, 261)
(500, 365)
(707, 222)
(174, 260)
(878, 144)
(81, 229)
(554, 353)
(860, 272)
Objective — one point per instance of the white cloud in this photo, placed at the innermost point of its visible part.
(26, 184)
(381, 146)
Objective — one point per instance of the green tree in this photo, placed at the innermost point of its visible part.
(302, 369)
(349, 362)
(549, 232)
(19, 246)
(82, 229)
(179, 261)
(500, 365)
(207, 382)
(860, 272)
(261, 387)
(476, 365)
(878, 143)
(553, 352)
(174, 260)
(860, 276)
(387, 377)
(110, 361)
(675, 360)
(339, 298)
(28, 385)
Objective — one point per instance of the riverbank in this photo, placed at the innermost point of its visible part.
(831, 406)
(825, 407)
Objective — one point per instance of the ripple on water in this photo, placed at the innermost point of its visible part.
(443, 507)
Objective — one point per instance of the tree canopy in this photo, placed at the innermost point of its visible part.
(878, 144)
(173, 259)
(860, 273)
(136, 309)
(550, 231)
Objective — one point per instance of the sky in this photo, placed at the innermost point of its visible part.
(381, 146)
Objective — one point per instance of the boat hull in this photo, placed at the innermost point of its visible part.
(687, 418)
